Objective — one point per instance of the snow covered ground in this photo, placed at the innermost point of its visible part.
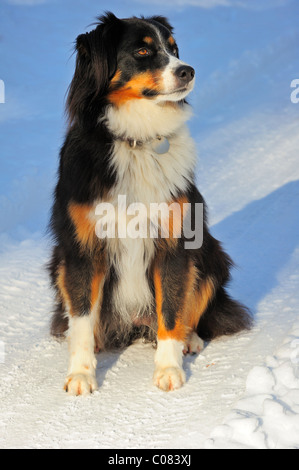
(241, 392)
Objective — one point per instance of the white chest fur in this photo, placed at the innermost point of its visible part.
(146, 177)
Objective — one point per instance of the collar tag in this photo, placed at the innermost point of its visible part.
(160, 145)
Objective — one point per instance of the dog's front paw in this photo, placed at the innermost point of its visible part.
(170, 378)
(80, 384)
(193, 345)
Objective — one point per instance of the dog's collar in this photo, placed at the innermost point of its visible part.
(159, 145)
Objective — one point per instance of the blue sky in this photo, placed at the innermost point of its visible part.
(245, 54)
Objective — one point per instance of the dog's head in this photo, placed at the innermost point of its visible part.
(127, 59)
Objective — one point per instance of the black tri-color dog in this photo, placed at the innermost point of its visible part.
(127, 137)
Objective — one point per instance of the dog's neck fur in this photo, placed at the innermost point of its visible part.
(144, 119)
(142, 175)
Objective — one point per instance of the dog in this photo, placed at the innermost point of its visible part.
(127, 137)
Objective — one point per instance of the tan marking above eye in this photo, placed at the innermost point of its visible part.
(148, 40)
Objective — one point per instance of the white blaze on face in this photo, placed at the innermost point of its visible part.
(170, 86)
(171, 89)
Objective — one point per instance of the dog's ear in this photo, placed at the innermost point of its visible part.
(82, 46)
(96, 63)
(110, 30)
(163, 21)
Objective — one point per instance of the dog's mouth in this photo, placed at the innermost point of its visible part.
(178, 94)
(174, 95)
(151, 86)
(179, 90)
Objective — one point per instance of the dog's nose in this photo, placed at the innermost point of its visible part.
(185, 74)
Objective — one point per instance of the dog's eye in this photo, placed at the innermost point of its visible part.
(143, 52)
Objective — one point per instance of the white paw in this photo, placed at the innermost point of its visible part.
(170, 378)
(80, 384)
(194, 344)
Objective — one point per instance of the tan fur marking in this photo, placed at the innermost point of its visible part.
(195, 303)
(206, 294)
(61, 284)
(177, 217)
(179, 332)
(174, 223)
(199, 299)
(85, 228)
(96, 301)
(133, 88)
(148, 40)
(116, 77)
(190, 308)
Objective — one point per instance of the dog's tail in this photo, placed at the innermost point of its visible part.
(224, 316)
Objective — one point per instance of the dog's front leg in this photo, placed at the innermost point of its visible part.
(81, 377)
(172, 330)
(80, 288)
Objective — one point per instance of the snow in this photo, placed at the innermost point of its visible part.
(267, 416)
(242, 391)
